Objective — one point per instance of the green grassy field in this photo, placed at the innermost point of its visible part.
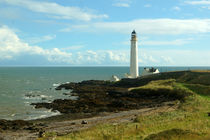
(190, 121)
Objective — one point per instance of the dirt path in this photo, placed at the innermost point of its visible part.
(65, 127)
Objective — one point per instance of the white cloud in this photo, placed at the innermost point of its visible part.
(176, 8)
(148, 42)
(34, 40)
(121, 5)
(148, 26)
(11, 47)
(9, 13)
(176, 42)
(175, 57)
(102, 57)
(152, 59)
(167, 59)
(65, 29)
(147, 5)
(55, 10)
(198, 2)
(76, 47)
(202, 3)
(146, 58)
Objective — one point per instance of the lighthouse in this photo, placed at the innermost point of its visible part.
(134, 68)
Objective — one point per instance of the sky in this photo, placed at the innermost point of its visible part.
(98, 32)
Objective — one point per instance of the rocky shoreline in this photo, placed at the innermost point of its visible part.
(102, 96)
(95, 97)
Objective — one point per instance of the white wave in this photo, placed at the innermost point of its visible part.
(26, 102)
(35, 97)
(32, 98)
(44, 114)
(56, 85)
(12, 115)
(45, 96)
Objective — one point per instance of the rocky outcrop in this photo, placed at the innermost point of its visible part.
(19, 125)
(13, 125)
(96, 96)
(102, 96)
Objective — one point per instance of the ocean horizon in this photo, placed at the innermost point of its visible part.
(23, 85)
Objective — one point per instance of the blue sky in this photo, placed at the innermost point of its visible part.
(97, 32)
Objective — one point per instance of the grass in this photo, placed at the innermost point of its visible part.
(167, 89)
(202, 90)
(189, 122)
(155, 85)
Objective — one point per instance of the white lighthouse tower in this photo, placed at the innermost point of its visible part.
(134, 68)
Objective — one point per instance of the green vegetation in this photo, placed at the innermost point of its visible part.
(168, 89)
(190, 121)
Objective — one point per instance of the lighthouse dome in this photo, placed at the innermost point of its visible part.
(134, 32)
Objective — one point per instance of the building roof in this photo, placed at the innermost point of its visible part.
(150, 69)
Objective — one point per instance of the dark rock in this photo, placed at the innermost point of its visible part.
(84, 122)
(66, 86)
(29, 128)
(44, 98)
(42, 124)
(73, 123)
(30, 95)
(41, 133)
(74, 94)
(13, 125)
(66, 94)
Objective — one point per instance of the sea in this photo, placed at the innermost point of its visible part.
(21, 86)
